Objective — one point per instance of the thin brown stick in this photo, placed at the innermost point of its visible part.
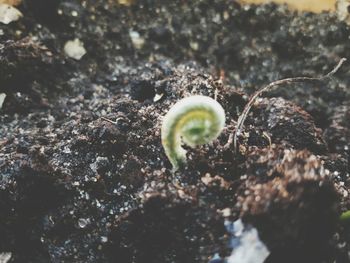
(108, 120)
(251, 101)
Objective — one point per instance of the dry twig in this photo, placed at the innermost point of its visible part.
(251, 101)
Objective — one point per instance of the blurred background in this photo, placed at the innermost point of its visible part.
(310, 5)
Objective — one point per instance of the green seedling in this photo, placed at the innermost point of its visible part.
(195, 120)
(345, 216)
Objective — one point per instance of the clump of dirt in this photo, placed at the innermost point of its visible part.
(84, 177)
(285, 122)
(302, 195)
(166, 229)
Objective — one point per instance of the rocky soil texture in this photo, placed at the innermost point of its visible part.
(75, 187)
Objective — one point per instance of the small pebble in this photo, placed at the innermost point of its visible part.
(2, 99)
(82, 222)
(136, 39)
(74, 49)
(9, 14)
(5, 257)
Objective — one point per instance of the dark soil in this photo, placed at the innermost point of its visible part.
(77, 188)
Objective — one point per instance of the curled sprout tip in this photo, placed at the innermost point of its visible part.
(195, 120)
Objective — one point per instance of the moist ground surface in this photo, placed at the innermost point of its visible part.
(75, 187)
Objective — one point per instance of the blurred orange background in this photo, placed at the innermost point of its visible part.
(308, 5)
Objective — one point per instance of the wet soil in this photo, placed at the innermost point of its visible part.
(75, 187)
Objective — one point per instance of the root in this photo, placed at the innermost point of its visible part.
(253, 98)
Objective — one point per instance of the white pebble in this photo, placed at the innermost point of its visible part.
(82, 222)
(9, 14)
(5, 257)
(74, 49)
(250, 250)
(2, 99)
(136, 39)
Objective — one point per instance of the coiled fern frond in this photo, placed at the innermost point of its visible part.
(195, 120)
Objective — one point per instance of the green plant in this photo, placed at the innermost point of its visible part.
(345, 216)
(195, 120)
